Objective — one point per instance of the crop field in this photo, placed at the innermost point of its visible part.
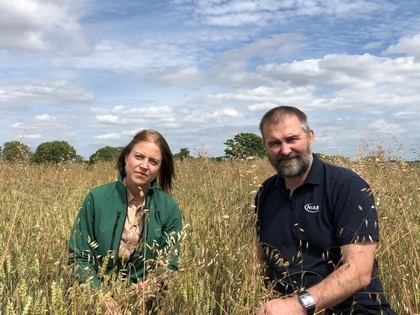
(218, 273)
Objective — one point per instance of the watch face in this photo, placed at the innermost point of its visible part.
(307, 301)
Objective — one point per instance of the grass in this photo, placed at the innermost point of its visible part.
(218, 269)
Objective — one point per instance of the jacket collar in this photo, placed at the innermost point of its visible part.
(122, 185)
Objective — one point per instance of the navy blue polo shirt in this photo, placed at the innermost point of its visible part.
(301, 235)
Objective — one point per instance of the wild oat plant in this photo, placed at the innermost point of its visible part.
(218, 271)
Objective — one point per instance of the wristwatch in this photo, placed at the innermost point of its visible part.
(307, 301)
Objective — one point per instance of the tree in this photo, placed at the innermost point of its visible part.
(79, 159)
(54, 152)
(106, 154)
(183, 154)
(244, 145)
(15, 151)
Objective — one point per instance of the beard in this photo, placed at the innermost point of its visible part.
(293, 165)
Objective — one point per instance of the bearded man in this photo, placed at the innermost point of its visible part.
(317, 227)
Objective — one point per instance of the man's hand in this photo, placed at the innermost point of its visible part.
(288, 306)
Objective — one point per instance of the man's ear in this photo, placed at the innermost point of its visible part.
(311, 137)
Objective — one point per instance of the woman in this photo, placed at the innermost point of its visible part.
(130, 227)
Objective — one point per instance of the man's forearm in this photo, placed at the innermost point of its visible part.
(336, 288)
(353, 275)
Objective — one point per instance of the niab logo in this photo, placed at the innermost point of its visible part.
(311, 208)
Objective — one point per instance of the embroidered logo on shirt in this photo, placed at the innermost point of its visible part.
(311, 208)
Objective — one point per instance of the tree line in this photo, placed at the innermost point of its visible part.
(242, 146)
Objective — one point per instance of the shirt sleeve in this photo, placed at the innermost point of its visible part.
(355, 215)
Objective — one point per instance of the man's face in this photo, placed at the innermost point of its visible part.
(288, 146)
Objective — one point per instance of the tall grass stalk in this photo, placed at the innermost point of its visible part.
(218, 271)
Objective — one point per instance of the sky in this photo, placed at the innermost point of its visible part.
(94, 72)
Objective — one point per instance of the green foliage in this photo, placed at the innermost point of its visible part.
(54, 152)
(15, 151)
(106, 154)
(183, 154)
(79, 159)
(244, 145)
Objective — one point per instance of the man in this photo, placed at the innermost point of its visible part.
(317, 227)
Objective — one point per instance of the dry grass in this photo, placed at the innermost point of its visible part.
(218, 272)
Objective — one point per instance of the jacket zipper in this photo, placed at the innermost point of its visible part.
(114, 230)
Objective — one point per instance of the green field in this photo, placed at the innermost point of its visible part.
(218, 270)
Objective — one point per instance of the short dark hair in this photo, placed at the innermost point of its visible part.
(276, 114)
(167, 169)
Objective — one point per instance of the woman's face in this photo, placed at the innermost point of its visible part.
(142, 164)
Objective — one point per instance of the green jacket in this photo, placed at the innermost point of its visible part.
(96, 235)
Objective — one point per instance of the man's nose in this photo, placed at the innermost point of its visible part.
(285, 149)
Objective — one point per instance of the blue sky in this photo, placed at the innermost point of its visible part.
(92, 72)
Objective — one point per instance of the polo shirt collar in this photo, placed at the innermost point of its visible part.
(315, 173)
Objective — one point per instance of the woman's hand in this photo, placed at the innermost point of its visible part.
(142, 286)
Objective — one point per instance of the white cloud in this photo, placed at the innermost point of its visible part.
(109, 119)
(384, 126)
(407, 46)
(138, 115)
(38, 25)
(45, 117)
(189, 75)
(261, 107)
(150, 112)
(413, 115)
(227, 112)
(237, 13)
(280, 94)
(220, 116)
(118, 109)
(17, 125)
(33, 136)
(142, 57)
(109, 136)
(46, 94)
(373, 45)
